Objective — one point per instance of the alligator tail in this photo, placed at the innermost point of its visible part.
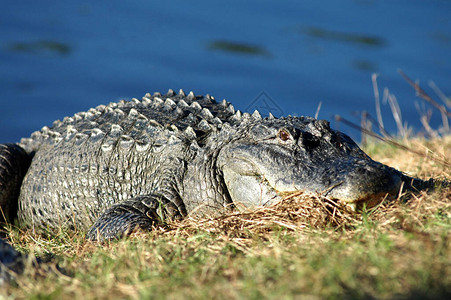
(14, 163)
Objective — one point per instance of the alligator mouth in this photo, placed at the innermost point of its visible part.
(381, 184)
(368, 184)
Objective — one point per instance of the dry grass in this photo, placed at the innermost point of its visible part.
(305, 246)
(305, 212)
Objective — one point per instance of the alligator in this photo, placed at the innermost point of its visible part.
(133, 164)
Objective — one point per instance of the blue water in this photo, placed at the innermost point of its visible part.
(61, 57)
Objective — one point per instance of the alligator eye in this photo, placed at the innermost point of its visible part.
(284, 135)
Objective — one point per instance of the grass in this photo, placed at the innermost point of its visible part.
(306, 247)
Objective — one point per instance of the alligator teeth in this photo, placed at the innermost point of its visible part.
(205, 113)
(182, 93)
(256, 115)
(223, 103)
(156, 94)
(271, 116)
(171, 93)
(191, 96)
(134, 101)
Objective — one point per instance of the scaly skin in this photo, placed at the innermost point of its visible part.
(132, 164)
(135, 163)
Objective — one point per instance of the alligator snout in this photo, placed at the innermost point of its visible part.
(365, 182)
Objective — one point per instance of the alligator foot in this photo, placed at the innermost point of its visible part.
(415, 184)
(124, 218)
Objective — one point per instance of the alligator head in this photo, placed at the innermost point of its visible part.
(275, 156)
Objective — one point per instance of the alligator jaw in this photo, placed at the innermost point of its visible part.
(248, 186)
(383, 183)
(248, 190)
(328, 163)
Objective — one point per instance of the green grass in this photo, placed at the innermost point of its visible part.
(399, 250)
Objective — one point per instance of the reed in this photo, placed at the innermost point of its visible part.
(305, 247)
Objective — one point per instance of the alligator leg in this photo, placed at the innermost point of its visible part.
(14, 163)
(415, 184)
(121, 219)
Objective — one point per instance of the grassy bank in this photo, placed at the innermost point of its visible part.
(307, 247)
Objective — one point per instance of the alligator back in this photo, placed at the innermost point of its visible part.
(88, 162)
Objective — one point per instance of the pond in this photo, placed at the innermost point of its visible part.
(287, 57)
